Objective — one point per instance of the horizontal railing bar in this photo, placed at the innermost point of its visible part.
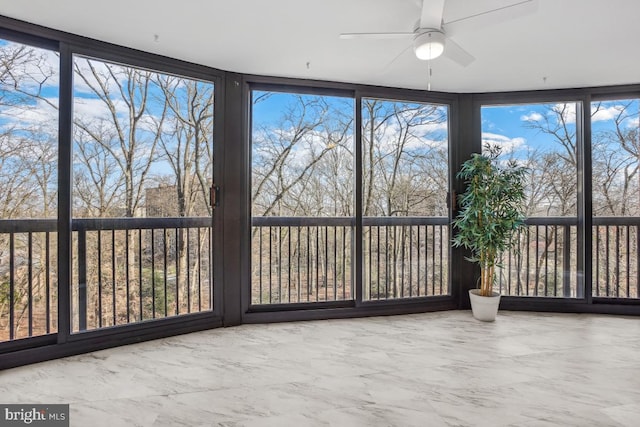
(266, 221)
(87, 224)
(404, 220)
(50, 225)
(27, 225)
(615, 220)
(138, 223)
(283, 221)
(303, 221)
(551, 220)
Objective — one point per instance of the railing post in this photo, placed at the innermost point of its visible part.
(566, 258)
(82, 279)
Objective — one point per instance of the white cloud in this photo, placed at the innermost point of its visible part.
(41, 115)
(88, 109)
(114, 76)
(39, 70)
(617, 112)
(268, 142)
(429, 128)
(567, 110)
(433, 143)
(531, 117)
(508, 145)
(102, 69)
(608, 113)
(423, 137)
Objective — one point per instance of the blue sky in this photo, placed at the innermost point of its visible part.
(509, 121)
(504, 123)
(269, 109)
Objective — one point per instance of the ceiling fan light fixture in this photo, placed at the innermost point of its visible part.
(428, 45)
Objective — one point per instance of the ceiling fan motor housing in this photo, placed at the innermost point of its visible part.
(428, 44)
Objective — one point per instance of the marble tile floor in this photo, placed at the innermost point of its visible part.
(433, 369)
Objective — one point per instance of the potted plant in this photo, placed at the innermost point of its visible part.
(491, 212)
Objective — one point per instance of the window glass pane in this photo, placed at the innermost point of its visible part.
(541, 137)
(29, 79)
(405, 158)
(143, 144)
(405, 167)
(302, 155)
(615, 128)
(616, 157)
(302, 173)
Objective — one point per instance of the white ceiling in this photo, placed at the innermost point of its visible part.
(565, 43)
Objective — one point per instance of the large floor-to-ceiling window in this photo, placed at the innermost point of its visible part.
(302, 197)
(29, 79)
(306, 161)
(616, 197)
(142, 171)
(405, 182)
(543, 137)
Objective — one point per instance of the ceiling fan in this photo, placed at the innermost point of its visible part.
(432, 36)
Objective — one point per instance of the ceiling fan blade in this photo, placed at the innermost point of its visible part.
(377, 36)
(453, 51)
(513, 10)
(387, 67)
(431, 16)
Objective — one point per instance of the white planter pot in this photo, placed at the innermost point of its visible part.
(484, 308)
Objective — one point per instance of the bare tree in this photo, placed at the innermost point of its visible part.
(626, 137)
(186, 144)
(287, 156)
(25, 72)
(405, 173)
(28, 172)
(123, 134)
(405, 158)
(556, 161)
(186, 140)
